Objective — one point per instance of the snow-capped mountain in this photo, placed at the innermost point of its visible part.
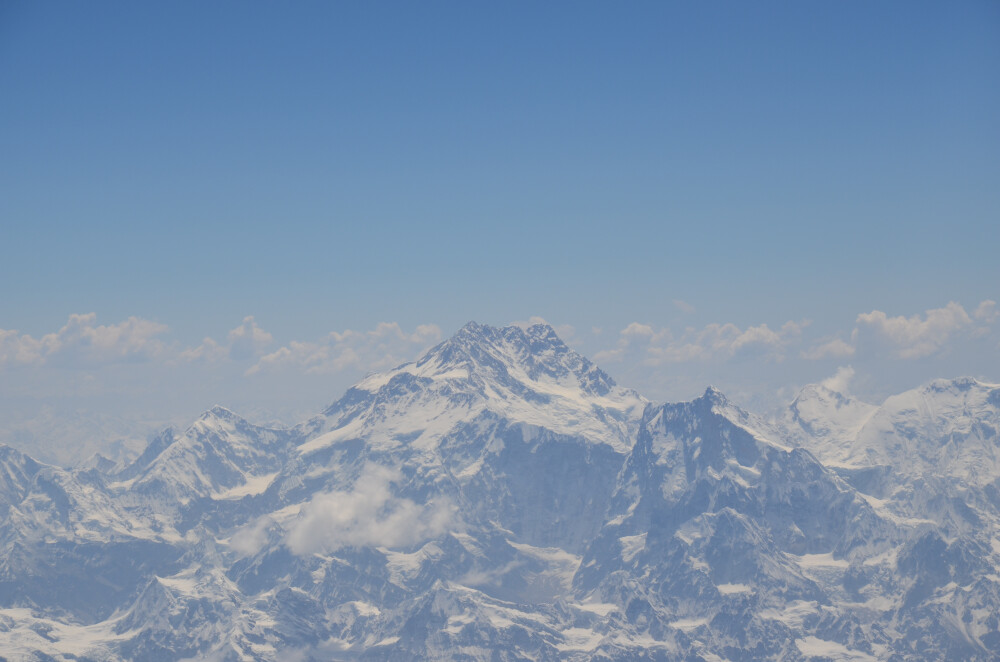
(502, 498)
(826, 421)
(946, 427)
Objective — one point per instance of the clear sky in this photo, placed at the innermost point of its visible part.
(330, 166)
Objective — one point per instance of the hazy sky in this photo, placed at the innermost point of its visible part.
(749, 194)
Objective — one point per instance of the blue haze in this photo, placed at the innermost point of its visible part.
(340, 163)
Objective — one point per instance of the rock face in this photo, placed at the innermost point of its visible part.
(502, 498)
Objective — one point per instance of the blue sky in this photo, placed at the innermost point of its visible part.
(330, 166)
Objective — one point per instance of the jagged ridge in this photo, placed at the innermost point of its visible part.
(503, 496)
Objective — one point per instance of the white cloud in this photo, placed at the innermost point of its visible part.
(830, 349)
(714, 342)
(913, 337)
(987, 312)
(246, 341)
(840, 381)
(251, 538)
(386, 346)
(637, 330)
(82, 341)
(369, 514)
(13, 349)
(634, 338)
(207, 351)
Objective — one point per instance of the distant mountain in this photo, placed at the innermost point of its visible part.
(70, 437)
(826, 421)
(947, 427)
(502, 498)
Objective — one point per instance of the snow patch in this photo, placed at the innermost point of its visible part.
(253, 485)
(631, 546)
(686, 624)
(830, 650)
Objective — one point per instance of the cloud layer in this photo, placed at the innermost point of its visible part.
(386, 346)
(899, 337)
(934, 332)
(713, 342)
(913, 337)
(133, 370)
(83, 341)
(762, 366)
(246, 341)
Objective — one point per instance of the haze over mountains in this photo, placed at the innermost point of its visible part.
(503, 498)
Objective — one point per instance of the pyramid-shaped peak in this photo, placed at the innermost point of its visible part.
(542, 331)
(12, 457)
(513, 352)
(714, 396)
(9, 452)
(472, 328)
(810, 394)
(523, 375)
(216, 418)
(218, 412)
(474, 332)
(473, 339)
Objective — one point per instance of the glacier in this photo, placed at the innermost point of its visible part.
(502, 498)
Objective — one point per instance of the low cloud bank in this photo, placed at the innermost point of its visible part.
(367, 515)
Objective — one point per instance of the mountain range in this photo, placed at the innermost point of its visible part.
(502, 498)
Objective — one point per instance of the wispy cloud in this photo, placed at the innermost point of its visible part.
(683, 306)
(835, 348)
(713, 342)
(384, 346)
(84, 342)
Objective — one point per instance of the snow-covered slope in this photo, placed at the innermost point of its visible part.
(509, 425)
(826, 421)
(948, 427)
(523, 376)
(220, 455)
(945, 428)
(16, 473)
(503, 498)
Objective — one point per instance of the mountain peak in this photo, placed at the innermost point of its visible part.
(825, 420)
(815, 400)
(475, 333)
(527, 376)
(472, 328)
(542, 331)
(218, 411)
(217, 415)
(530, 354)
(714, 396)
